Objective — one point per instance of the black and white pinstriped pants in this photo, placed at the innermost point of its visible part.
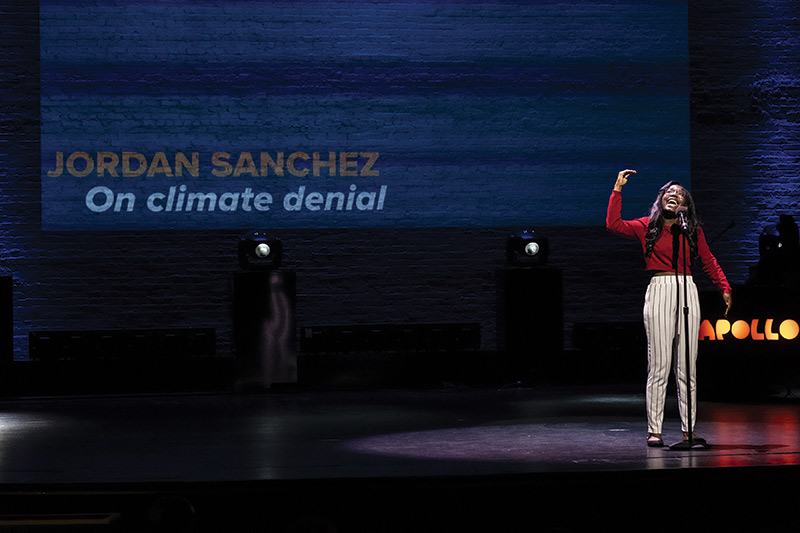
(663, 310)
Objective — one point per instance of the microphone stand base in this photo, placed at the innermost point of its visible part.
(684, 445)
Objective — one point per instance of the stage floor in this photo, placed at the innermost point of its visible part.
(554, 447)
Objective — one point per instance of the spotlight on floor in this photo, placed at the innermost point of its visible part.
(259, 251)
(527, 248)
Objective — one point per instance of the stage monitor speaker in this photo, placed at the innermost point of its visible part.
(264, 329)
(6, 319)
(530, 315)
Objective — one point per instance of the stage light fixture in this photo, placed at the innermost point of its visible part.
(779, 240)
(527, 248)
(260, 251)
(769, 242)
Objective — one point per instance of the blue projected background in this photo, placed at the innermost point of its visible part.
(201, 115)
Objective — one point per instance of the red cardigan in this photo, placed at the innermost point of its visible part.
(661, 258)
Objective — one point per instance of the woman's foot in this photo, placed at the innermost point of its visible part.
(654, 440)
(695, 438)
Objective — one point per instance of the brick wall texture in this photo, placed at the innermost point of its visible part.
(744, 159)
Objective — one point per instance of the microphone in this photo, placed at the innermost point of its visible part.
(681, 212)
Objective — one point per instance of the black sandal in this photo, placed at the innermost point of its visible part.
(657, 442)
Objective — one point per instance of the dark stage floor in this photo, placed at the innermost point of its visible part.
(443, 459)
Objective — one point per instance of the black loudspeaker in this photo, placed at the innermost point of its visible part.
(264, 329)
(6, 319)
(530, 317)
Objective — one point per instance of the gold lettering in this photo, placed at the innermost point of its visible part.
(348, 164)
(127, 172)
(740, 329)
(107, 161)
(706, 331)
(56, 172)
(754, 334)
(330, 163)
(71, 164)
(771, 336)
(181, 162)
(159, 165)
(290, 164)
(220, 159)
(267, 163)
(366, 170)
(723, 327)
(789, 329)
(245, 165)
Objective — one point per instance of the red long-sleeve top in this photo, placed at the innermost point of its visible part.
(661, 258)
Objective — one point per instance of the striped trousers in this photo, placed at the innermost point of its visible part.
(663, 316)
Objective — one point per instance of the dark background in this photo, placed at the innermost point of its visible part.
(744, 161)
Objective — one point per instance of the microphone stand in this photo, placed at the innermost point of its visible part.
(690, 443)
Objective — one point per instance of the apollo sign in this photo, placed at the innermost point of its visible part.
(755, 329)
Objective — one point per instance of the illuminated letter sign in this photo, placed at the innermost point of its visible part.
(755, 330)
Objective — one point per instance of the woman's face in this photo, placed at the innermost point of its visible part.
(673, 198)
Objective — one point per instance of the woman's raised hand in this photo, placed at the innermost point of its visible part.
(622, 179)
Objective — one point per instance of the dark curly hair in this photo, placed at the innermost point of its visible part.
(656, 224)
